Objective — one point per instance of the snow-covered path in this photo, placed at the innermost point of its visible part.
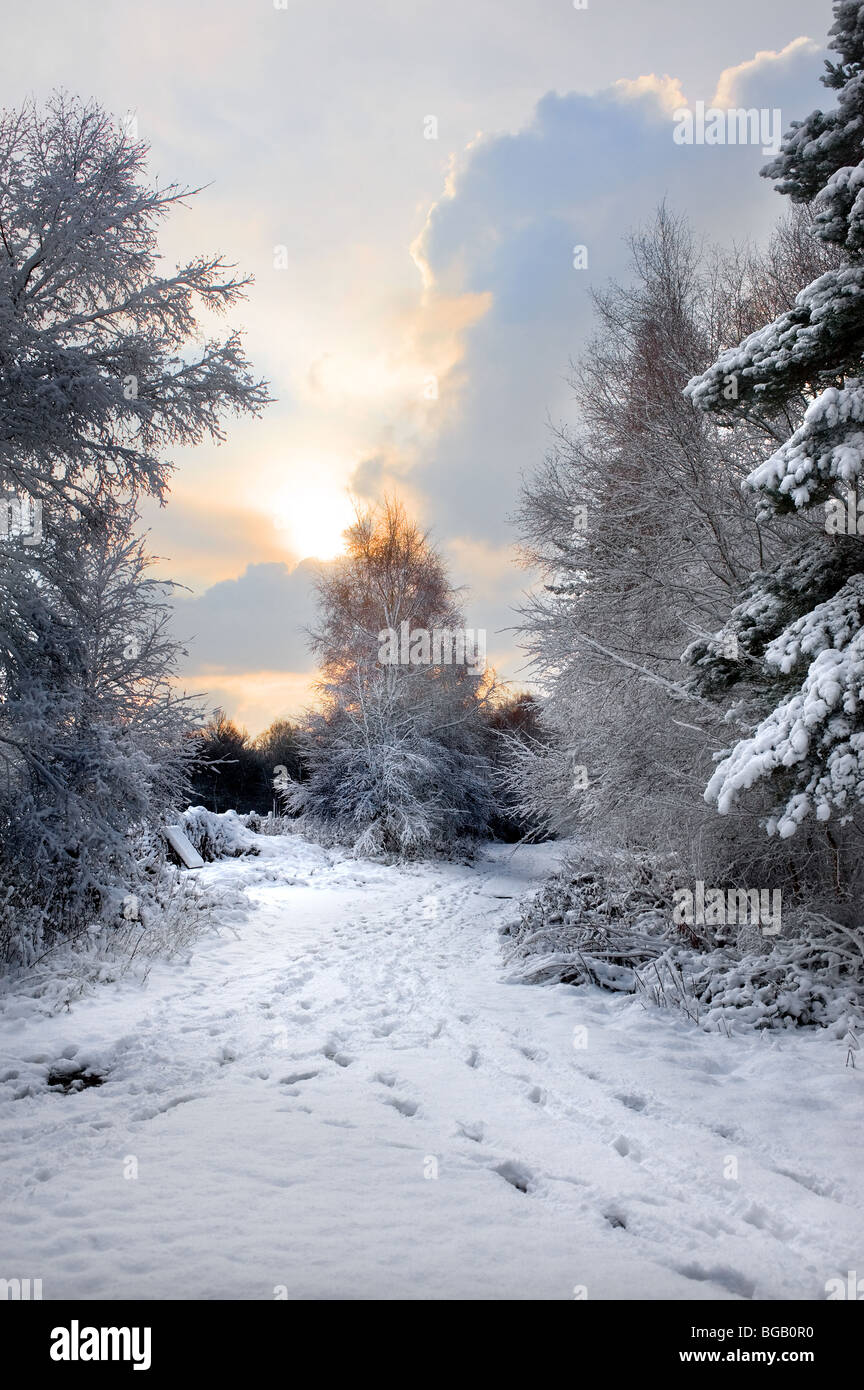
(348, 1100)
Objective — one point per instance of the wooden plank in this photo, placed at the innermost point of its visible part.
(183, 847)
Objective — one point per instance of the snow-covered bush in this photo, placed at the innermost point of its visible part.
(814, 976)
(166, 921)
(93, 735)
(270, 824)
(594, 924)
(217, 835)
(163, 920)
(402, 792)
(611, 925)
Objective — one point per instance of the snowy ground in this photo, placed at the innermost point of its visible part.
(289, 1096)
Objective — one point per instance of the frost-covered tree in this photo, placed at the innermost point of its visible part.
(799, 628)
(102, 367)
(93, 742)
(397, 756)
(102, 371)
(638, 528)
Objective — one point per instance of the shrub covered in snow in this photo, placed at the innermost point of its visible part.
(587, 928)
(611, 925)
(403, 794)
(814, 979)
(170, 911)
(224, 835)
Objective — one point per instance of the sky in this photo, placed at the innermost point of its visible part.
(406, 180)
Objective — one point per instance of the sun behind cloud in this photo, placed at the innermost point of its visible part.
(313, 517)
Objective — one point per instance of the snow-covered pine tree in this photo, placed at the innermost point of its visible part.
(793, 649)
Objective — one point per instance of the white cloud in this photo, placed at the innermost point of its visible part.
(254, 623)
(667, 89)
(584, 170)
(764, 71)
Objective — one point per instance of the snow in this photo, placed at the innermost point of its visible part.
(822, 713)
(824, 448)
(819, 329)
(289, 1092)
(216, 835)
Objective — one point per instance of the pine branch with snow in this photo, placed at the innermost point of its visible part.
(801, 624)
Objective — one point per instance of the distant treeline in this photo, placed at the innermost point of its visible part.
(234, 771)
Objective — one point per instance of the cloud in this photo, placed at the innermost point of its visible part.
(255, 698)
(585, 170)
(769, 75)
(379, 475)
(499, 313)
(666, 89)
(253, 623)
(199, 537)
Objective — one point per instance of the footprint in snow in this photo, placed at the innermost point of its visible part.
(723, 1275)
(724, 1131)
(517, 1174)
(632, 1102)
(384, 1029)
(623, 1146)
(765, 1221)
(405, 1107)
(815, 1185)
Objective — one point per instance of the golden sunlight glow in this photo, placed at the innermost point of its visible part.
(312, 517)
